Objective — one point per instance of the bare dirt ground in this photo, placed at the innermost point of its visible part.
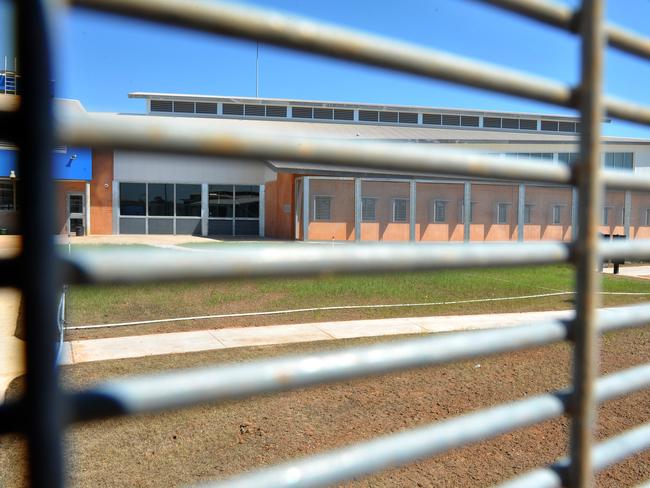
(211, 442)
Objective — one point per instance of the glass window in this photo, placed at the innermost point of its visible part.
(6, 195)
(220, 201)
(568, 158)
(132, 199)
(322, 208)
(75, 204)
(188, 200)
(368, 209)
(557, 214)
(528, 213)
(400, 210)
(247, 201)
(439, 211)
(161, 199)
(502, 213)
(618, 160)
(647, 217)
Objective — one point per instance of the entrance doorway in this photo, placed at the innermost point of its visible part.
(76, 215)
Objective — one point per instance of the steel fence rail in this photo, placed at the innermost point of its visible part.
(408, 446)
(303, 34)
(162, 134)
(142, 394)
(605, 454)
(557, 15)
(169, 134)
(232, 261)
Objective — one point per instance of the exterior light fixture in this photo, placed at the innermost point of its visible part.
(12, 174)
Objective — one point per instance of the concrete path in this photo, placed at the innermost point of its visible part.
(632, 271)
(205, 340)
(11, 348)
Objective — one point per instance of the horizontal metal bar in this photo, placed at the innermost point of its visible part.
(627, 249)
(626, 110)
(395, 450)
(146, 393)
(558, 15)
(165, 134)
(609, 452)
(625, 180)
(306, 35)
(233, 261)
(398, 449)
(222, 383)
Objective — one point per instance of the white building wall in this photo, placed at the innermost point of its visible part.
(171, 168)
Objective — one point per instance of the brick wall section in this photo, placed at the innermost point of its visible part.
(101, 193)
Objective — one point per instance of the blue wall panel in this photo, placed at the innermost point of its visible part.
(75, 164)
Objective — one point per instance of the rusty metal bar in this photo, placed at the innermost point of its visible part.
(585, 336)
(609, 452)
(232, 261)
(165, 134)
(557, 15)
(306, 35)
(42, 408)
(177, 389)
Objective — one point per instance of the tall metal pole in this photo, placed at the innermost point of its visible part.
(38, 275)
(257, 70)
(587, 172)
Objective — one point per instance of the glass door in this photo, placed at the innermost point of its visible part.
(75, 209)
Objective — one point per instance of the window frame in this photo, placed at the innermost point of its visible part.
(406, 214)
(497, 218)
(363, 217)
(558, 207)
(314, 214)
(434, 209)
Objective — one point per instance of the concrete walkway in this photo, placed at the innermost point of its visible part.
(632, 271)
(12, 349)
(205, 340)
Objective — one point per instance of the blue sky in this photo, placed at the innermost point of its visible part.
(102, 58)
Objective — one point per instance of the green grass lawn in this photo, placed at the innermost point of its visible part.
(94, 305)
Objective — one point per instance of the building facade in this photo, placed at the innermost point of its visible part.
(124, 192)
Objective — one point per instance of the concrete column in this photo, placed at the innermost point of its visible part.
(467, 209)
(305, 208)
(262, 209)
(87, 229)
(205, 209)
(116, 207)
(627, 213)
(521, 212)
(574, 214)
(412, 209)
(357, 209)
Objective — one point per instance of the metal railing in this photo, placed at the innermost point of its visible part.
(45, 409)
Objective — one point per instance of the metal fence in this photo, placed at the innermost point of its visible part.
(46, 409)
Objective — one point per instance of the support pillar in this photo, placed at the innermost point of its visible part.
(467, 210)
(627, 213)
(205, 209)
(262, 217)
(358, 202)
(87, 199)
(412, 209)
(305, 208)
(521, 212)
